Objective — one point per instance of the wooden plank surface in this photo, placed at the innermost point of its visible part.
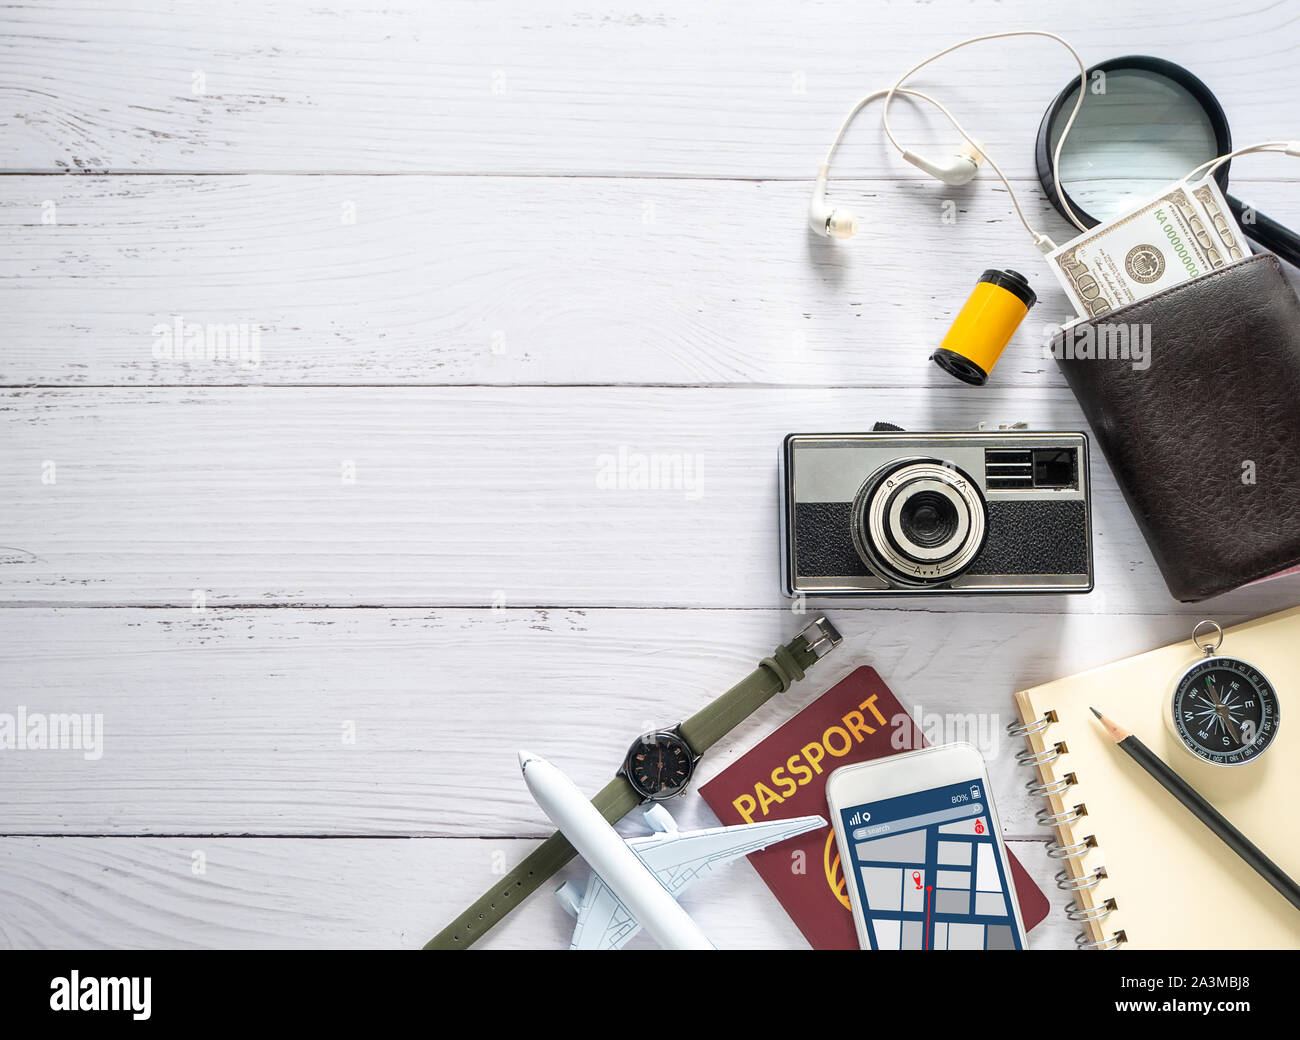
(388, 280)
(300, 893)
(407, 722)
(465, 496)
(680, 88)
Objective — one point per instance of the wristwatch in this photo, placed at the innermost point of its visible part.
(658, 765)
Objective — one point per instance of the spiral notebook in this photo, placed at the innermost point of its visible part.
(1142, 870)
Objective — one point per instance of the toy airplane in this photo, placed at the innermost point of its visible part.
(634, 883)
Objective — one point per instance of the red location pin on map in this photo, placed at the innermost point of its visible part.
(916, 877)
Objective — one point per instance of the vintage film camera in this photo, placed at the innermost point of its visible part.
(866, 514)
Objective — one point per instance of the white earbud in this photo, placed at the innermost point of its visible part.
(824, 219)
(830, 222)
(960, 168)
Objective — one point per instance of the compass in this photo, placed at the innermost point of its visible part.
(1223, 709)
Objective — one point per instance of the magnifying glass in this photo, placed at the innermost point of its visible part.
(1152, 124)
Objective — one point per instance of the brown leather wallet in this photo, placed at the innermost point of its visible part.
(1205, 442)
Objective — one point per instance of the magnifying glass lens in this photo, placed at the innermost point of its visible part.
(1136, 133)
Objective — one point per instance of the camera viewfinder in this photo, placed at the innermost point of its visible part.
(1055, 468)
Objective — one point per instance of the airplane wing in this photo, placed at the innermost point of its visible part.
(677, 859)
(604, 923)
(680, 859)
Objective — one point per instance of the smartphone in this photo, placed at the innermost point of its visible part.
(922, 854)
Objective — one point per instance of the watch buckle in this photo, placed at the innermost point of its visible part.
(821, 636)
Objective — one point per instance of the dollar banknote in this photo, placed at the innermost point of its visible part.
(1232, 242)
(1164, 241)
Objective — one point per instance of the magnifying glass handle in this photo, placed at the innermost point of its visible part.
(1267, 232)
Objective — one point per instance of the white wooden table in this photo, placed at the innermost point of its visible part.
(321, 600)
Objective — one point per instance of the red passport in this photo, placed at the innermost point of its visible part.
(856, 720)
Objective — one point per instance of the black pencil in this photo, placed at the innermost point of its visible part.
(1203, 810)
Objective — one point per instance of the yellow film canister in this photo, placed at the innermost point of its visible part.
(985, 325)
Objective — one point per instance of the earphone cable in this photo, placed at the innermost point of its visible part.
(862, 103)
(1210, 165)
(1040, 239)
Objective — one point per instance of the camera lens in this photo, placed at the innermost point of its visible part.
(918, 522)
(928, 519)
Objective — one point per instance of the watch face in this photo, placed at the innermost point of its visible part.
(659, 764)
(1225, 711)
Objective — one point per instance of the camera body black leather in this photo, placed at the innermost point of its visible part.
(866, 514)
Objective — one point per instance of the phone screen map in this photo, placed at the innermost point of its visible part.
(928, 872)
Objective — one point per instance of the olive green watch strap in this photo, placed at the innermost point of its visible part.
(774, 675)
(615, 800)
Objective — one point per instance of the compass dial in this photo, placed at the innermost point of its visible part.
(659, 764)
(1224, 711)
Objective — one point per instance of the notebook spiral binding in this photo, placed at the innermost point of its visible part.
(1088, 906)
